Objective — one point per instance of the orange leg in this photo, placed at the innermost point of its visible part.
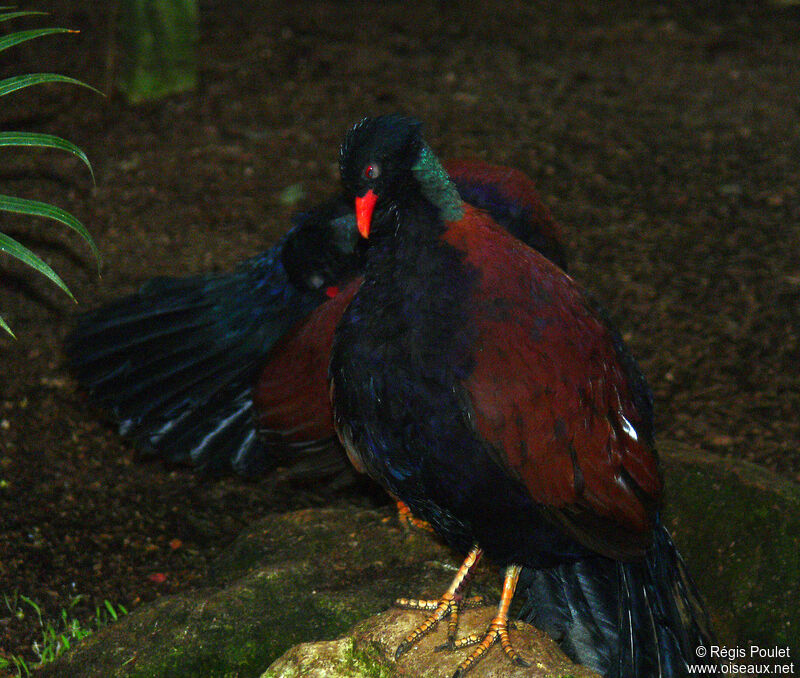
(447, 606)
(497, 631)
(407, 518)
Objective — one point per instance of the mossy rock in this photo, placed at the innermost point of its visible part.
(289, 578)
(311, 575)
(367, 652)
(738, 527)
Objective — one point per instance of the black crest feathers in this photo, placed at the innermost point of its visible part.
(393, 140)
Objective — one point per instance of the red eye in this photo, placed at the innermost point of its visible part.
(372, 171)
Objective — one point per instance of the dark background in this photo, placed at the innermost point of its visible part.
(665, 136)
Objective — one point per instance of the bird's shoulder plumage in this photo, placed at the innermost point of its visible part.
(513, 200)
(552, 394)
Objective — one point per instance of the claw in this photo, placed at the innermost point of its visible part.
(447, 606)
(497, 631)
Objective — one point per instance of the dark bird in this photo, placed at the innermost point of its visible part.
(475, 381)
(176, 363)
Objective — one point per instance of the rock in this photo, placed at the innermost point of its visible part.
(312, 575)
(367, 651)
(328, 659)
(738, 527)
(306, 575)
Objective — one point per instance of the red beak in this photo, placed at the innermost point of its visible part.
(365, 205)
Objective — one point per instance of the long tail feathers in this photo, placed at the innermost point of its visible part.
(175, 363)
(624, 620)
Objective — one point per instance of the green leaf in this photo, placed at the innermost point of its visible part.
(32, 139)
(20, 81)
(111, 610)
(7, 329)
(15, 15)
(19, 251)
(42, 209)
(44, 141)
(24, 36)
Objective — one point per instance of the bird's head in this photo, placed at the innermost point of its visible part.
(323, 249)
(376, 161)
(384, 159)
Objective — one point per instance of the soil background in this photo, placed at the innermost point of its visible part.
(665, 137)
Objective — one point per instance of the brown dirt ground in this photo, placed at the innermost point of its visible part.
(664, 135)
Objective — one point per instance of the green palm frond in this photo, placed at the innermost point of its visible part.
(5, 327)
(16, 82)
(42, 209)
(23, 36)
(17, 250)
(16, 15)
(9, 245)
(44, 141)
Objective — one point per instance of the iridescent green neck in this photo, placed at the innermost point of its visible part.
(436, 185)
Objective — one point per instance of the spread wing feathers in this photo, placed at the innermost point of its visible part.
(175, 362)
(511, 198)
(621, 619)
(553, 398)
(291, 396)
